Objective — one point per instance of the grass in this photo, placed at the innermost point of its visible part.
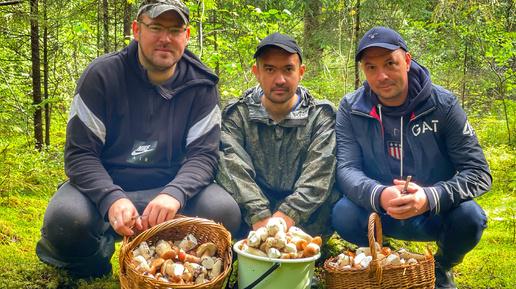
(28, 180)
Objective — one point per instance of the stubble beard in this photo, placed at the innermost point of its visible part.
(152, 66)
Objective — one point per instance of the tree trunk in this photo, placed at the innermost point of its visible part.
(312, 53)
(357, 40)
(127, 23)
(36, 74)
(215, 44)
(106, 25)
(45, 75)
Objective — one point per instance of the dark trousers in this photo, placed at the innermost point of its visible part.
(456, 232)
(76, 238)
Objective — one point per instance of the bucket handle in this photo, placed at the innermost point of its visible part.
(264, 275)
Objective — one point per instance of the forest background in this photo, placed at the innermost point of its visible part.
(468, 46)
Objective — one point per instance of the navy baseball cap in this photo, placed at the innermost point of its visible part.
(154, 8)
(285, 42)
(380, 37)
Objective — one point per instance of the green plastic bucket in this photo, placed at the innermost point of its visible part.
(267, 273)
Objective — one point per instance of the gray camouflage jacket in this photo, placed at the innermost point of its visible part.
(293, 158)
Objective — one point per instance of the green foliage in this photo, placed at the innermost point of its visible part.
(469, 47)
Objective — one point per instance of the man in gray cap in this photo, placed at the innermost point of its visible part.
(397, 125)
(142, 145)
(278, 145)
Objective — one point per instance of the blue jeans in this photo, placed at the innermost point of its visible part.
(76, 238)
(456, 232)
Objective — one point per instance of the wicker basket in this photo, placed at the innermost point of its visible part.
(204, 230)
(419, 275)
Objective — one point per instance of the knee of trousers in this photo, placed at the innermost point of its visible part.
(468, 220)
(73, 226)
(215, 203)
(350, 221)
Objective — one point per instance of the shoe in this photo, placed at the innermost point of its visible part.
(444, 277)
(315, 283)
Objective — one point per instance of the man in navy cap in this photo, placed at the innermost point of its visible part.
(277, 154)
(142, 139)
(399, 124)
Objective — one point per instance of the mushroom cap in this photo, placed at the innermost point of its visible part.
(210, 247)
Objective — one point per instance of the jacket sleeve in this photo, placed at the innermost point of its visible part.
(85, 138)
(236, 172)
(473, 177)
(350, 176)
(317, 177)
(202, 148)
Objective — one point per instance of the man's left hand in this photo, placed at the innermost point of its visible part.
(413, 203)
(162, 208)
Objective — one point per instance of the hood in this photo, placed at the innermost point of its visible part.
(190, 71)
(420, 88)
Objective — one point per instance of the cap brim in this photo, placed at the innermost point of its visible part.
(382, 45)
(284, 47)
(160, 9)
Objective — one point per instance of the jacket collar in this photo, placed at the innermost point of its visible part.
(257, 112)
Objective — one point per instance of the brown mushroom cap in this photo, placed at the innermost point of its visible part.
(207, 248)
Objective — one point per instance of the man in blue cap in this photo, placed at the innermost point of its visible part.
(399, 124)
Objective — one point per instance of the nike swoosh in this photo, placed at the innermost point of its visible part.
(135, 153)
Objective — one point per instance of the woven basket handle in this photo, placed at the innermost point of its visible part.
(375, 267)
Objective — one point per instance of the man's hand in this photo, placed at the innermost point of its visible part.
(278, 214)
(162, 208)
(121, 215)
(403, 206)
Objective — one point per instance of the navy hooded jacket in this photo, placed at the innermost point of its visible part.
(441, 148)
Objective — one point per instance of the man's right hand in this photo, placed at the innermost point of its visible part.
(121, 214)
(403, 206)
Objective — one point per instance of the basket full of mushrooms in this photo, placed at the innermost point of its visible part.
(379, 267)
(180, 253)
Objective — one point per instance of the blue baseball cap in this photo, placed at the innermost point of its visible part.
(380, 37)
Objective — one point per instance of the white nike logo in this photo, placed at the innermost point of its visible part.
(141, 150)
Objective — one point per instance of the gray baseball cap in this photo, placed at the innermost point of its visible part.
(154, 8)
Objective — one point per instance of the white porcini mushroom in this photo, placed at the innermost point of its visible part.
(365, 261)
(365, 250)
(344, 259)
(393, 259)
(358, 258)
(297, 232)
(252, 251)
(193, 268)
(188, 243)
(290, 248)
(280, 240)
(273, 253)
(275, 225)
(404, 254)
(201, 279)
(137, 260)
(175, 270)
(205, 252)
(254, 239)
(411, 261)
(143, 250)
(143, 268)
(217, 267)
(162, 247)
(263, 233)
